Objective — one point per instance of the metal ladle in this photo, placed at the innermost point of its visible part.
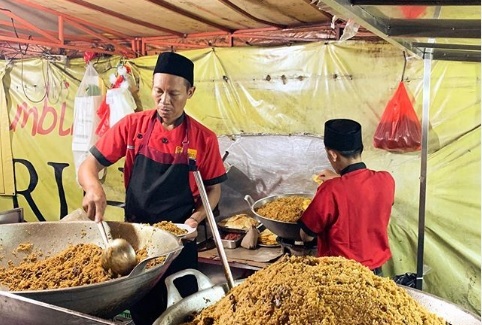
(118, 255)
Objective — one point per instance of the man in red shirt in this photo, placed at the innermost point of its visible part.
(158, 146)
(350, 211)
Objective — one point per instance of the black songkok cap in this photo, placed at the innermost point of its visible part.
(343, 135)
(176, 64)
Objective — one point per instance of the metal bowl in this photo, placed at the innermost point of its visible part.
(105, 299)
(286, 230)
(181, 311)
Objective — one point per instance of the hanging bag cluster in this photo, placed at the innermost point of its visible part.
(87, 99)
(118, 101)
(399, 129)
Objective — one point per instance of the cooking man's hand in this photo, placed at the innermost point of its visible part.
(94, 203)
(193, 221)
(305, 237)
(326, 174)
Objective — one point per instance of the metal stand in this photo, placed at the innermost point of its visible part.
(423, 168)
(214, 228)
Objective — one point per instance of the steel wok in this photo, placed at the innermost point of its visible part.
(105, 299)
(286, 230)
(183, 310)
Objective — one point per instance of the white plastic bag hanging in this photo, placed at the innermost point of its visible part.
(118, 101)
(87, 100)
(121, 103)
(350, 30)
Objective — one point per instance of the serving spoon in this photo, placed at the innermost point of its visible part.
(118, 255)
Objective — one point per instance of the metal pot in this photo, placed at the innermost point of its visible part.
(105, 299)
(287, 230)
(179, 310)
(184, 309)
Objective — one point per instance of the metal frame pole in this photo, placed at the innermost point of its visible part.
(427, 67)
(214, 229)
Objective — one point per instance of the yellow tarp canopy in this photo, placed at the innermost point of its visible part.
(285, 90)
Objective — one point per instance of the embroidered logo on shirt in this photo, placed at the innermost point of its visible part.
(191, 153)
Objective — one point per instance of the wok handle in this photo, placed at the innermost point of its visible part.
(249, 199)
(139, 268)
(226, 154)
(173, 295)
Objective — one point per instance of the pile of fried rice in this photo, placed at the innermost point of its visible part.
(76, 265)
(285, 209)
(308, 290)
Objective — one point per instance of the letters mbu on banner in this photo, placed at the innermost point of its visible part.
(42, 117)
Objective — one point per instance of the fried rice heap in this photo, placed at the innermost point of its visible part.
(286, 209)
(76, 265)
(307, 290)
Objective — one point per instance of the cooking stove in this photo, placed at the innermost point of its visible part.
(297, 248)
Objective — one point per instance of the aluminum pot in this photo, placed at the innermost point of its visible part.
(105, 299)
(286, 230)
(184, 309)
(181, 309)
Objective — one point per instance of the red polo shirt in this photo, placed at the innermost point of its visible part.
(125, 137)
(350, 216)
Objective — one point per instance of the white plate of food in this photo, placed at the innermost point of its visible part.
(178, 229)
(188, 229)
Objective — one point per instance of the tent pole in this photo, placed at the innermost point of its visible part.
(427, 69)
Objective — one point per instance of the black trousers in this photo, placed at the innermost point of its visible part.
(151, 306)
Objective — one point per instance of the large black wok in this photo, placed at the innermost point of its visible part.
(105, 299)
(286, 230)
(181, 311)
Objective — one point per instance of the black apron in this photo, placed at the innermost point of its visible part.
(159, 190)
(159, 185)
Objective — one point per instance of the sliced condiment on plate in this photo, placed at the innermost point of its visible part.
(239, 222)
(267, 239)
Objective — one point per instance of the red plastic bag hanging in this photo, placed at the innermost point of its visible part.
(399, 129)
(103, 112)
(412, 12)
